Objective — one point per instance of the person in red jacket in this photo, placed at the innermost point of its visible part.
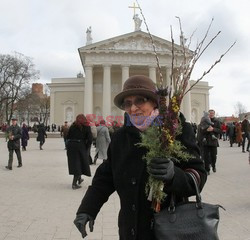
(224, 131)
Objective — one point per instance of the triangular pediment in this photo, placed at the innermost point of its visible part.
(134, 41)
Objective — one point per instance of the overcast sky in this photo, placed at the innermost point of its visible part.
(51, 31)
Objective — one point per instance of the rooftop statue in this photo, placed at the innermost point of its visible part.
(89, 36)
(138, 22)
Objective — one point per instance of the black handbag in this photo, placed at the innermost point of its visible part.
(188, 220)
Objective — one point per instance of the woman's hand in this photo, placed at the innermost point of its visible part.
(162, 169)
(81, 221)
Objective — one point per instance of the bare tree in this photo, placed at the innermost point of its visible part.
(33, 105)
(28, 106)
(45, 109)
(45, 105)
(16, 72)
(239, 108)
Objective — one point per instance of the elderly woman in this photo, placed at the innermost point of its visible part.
(125, 170)
(79, 140)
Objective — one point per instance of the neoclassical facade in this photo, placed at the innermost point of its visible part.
(107, 64)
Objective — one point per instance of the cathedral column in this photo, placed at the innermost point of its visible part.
(152, 73)
(186, 104)
(168, 72)
(52, 104)
(88, 90)
(106, 94)
(125, 73)
(206, 101)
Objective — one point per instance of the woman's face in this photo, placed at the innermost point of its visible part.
(138, 106)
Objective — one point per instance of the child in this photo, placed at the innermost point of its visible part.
(205, 124)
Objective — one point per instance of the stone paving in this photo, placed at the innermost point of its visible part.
(38, 203)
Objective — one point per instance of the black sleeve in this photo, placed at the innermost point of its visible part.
(69, 133)
(89, 137)
(182, 184)
(217, 127)
(100, 190)
(18, 135)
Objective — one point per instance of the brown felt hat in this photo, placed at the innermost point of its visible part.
(137, 85)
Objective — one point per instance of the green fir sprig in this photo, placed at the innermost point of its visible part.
(151, 140)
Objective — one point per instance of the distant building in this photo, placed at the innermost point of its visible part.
(35, 107)
(107, 64)
(229, 119)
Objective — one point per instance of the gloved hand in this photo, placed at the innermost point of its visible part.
(81, 221)
(162, 169)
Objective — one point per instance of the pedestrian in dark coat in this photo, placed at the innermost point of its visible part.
(14, 134)
(79, 140)
(41, 135)
(231, 133)
(245, 128)
(25, 137)
(125, 170)
(64, 132)
(211, 144)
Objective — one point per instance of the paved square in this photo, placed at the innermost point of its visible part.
(38, 203)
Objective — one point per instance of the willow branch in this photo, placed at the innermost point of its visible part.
(199, 55)
(206, 72)
(172, 63)
(153, 44)
(205, 37)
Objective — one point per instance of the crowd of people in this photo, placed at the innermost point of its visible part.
(237, 133)
(210, 130)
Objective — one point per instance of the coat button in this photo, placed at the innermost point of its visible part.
(133, 181)
(133, 207)
(132, 232)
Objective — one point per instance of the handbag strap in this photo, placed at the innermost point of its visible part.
(198, 195)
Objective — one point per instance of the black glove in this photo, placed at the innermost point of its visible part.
(81, 221)
(162, 169)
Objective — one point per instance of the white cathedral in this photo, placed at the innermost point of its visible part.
(107, 64)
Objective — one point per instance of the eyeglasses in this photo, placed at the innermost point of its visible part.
(138, 102)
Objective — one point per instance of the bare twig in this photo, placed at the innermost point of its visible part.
(172, 63)
(204, 38)
(211, 67)
(204, 49)
(153, 44)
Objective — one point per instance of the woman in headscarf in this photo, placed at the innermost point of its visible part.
(79, 140)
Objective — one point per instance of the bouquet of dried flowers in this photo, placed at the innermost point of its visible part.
(161, 140)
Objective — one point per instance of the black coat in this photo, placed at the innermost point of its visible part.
(17, 133)
(208, 135)
(79, 141)
(41, 134)
(125, 172)
(25, 136)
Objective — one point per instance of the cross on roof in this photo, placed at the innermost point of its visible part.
(134, 7)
